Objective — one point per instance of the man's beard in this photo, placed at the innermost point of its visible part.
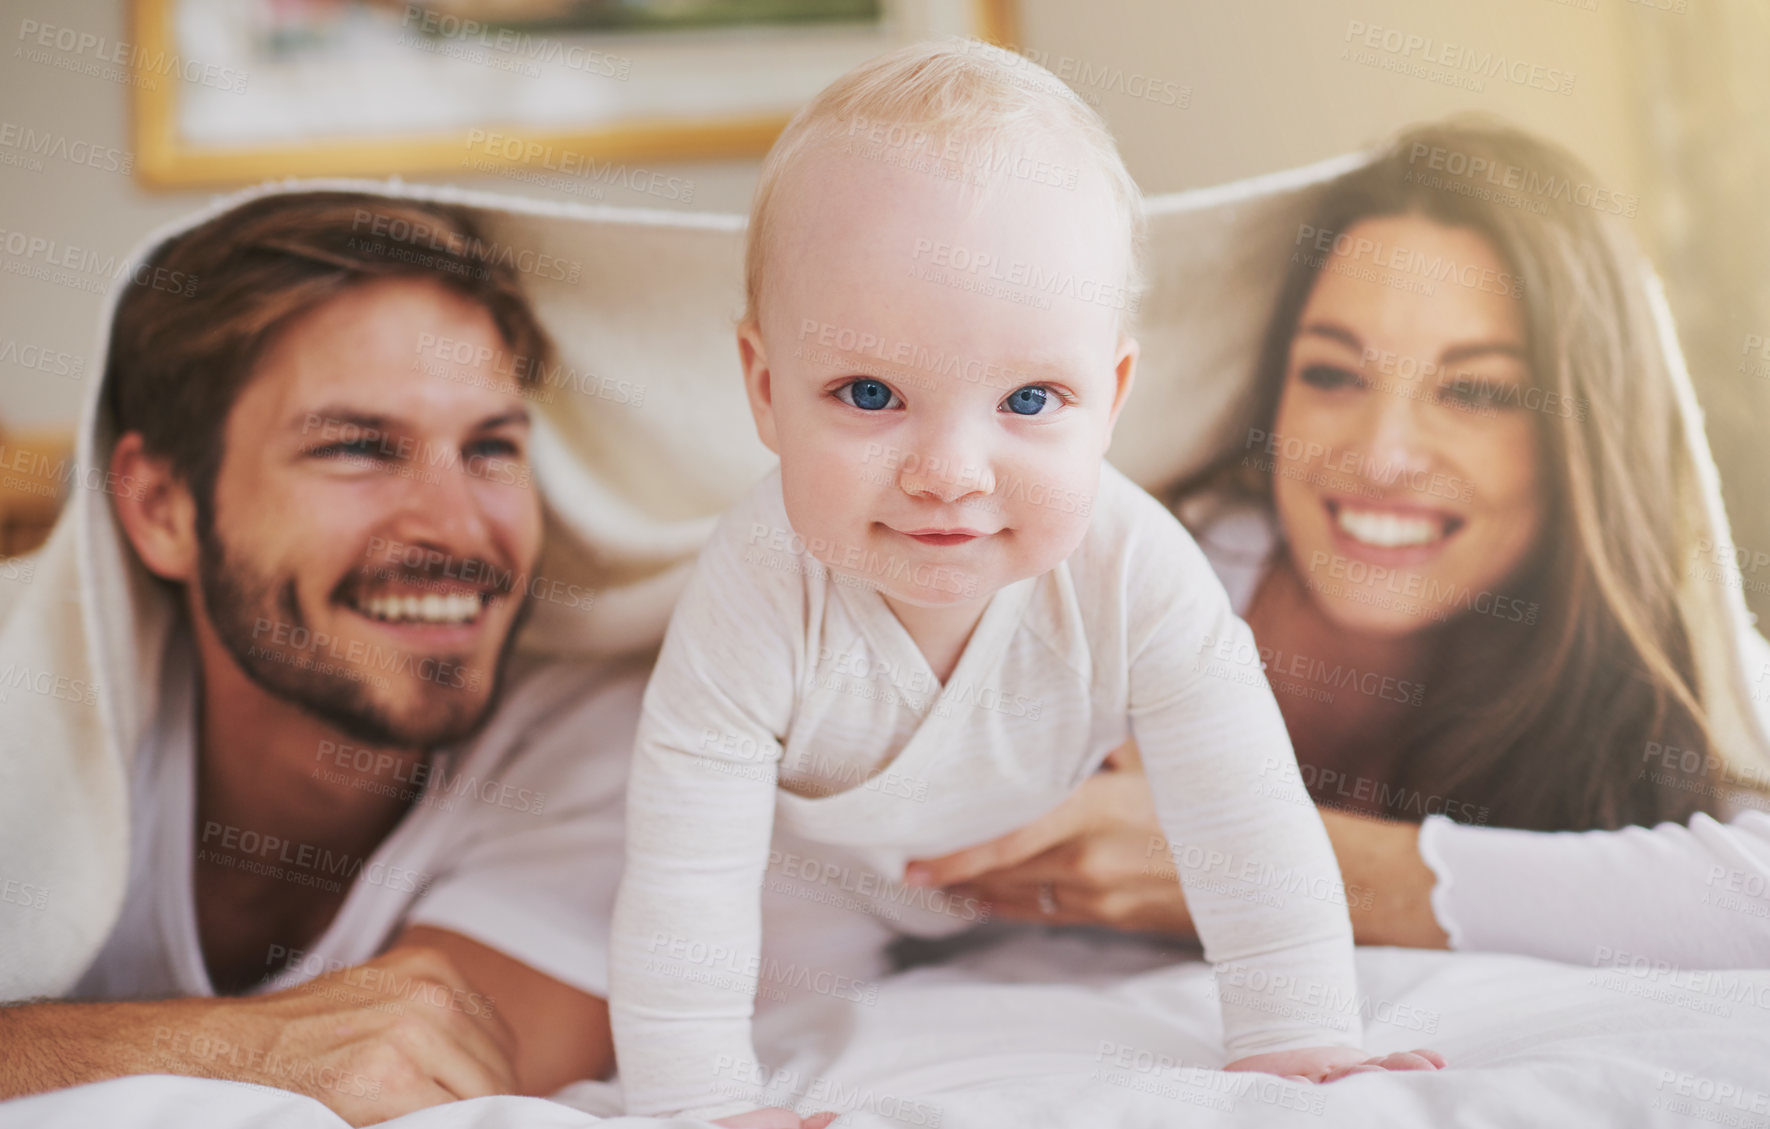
(239, 600)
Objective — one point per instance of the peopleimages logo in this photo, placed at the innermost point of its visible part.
(571, 164)
(34, 143)
(518, 45)
(36, 38)
(1459, 58)
(410, 236)
(1035, 280)
(1434, 267)
(1516, 178)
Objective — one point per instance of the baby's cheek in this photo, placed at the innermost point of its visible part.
(1052, 524)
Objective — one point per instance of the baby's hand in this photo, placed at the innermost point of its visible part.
(1327, 1064)
(775, 1118)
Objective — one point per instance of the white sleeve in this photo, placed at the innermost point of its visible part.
(1697, 896)
(1259, 871)
(700, 814)
(540, 857)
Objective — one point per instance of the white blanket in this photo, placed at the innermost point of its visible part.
(1016, 1036)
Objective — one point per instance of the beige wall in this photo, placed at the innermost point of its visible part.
(1264, 85)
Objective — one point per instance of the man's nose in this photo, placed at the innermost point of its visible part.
(441, 505)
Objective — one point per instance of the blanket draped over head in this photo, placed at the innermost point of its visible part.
(643, 436)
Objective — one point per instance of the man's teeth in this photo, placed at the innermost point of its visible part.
(1388, 530)
(456, 607)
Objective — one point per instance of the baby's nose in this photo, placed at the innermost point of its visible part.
(946, 478)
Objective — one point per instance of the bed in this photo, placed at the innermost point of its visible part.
(1071, 1028)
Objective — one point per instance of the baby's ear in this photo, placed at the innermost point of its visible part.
(758, 381)
(1124, 371)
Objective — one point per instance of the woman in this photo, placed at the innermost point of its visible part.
(1468, 531)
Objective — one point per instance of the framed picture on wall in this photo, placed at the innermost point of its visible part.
(237, 91)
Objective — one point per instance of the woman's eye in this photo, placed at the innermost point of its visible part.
(494, 449)
(1329, 376)
(1475, 394)
(868, 395)
(1028, 401)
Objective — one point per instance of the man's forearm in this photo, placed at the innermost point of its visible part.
(50, 1045)
(369, 1041)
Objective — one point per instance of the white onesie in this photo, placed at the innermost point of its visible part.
(793, 727)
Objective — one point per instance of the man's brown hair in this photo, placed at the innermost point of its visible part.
(179, 357)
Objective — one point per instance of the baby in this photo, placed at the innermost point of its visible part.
(944, 610)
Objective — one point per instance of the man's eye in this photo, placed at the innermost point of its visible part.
(868, 395)
(1029, 400)
(351, 449)
(1329, 377)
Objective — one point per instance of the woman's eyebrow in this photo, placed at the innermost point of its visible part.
(1333, 331)
(1475, 349)
(517, 416)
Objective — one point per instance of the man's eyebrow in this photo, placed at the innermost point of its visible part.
(1333, 331)
(1475, 349)
(337, 417)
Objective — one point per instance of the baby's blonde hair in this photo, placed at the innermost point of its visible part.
(958, 92)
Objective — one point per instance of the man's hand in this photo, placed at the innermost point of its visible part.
(401, 1033)
(562, 1032)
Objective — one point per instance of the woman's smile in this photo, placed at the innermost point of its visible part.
(1388, 532)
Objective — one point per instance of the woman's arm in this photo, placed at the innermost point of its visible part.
(1388, 884)
(1690, 897)
(1687, 897)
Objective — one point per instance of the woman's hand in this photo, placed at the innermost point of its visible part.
(1329, 1064)
(1098, 859)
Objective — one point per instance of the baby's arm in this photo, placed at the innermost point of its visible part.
(1259, 872)
(686, 946)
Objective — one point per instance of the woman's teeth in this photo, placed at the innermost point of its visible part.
(1388, 530)
(428, 608)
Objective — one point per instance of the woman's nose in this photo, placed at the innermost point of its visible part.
(1395, 440)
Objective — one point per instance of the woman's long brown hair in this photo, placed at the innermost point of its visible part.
(1551, 725)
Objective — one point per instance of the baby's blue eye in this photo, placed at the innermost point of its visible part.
(1028, 401)
(867, 395)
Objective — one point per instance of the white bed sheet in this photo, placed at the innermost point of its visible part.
(1062, 1028)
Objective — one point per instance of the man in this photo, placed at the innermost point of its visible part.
(372, 848)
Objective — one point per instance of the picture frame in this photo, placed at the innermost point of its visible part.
(410, 93)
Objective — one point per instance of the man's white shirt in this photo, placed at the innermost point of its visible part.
(514, 840)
